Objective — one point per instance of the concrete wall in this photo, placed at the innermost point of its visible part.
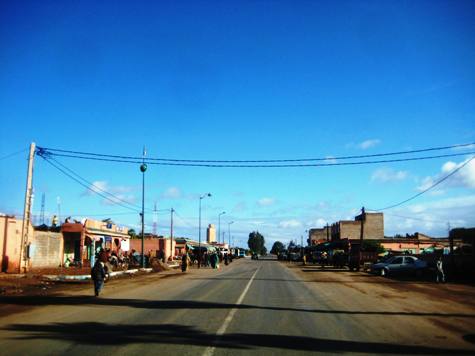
(46, 249)
(374, 226)
(10, 243)
(152, 245)
(350, 229)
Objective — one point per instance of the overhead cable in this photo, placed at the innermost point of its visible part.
(429, 188)
(212, 165)
(114, 201)
(328, 158)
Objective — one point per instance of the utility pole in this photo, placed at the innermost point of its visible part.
(363, 216)
(27, 210)
(143, 168)
(171, 233)
(155, 218)
(219, 225)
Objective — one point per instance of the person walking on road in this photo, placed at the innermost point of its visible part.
(185, 261)
(98, 275)
(440, 271)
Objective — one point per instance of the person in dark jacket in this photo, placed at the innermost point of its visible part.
(98, 275)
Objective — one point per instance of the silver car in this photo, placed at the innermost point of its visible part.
(408, 265)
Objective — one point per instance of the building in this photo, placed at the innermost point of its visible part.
(316, 236)
(415, 244)
(10, 243)
(156, 246)
(373, 227)
(211, 234)
(83, 240)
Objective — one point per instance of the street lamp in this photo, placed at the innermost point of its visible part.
(199, 229)
(143, 168)
(229, 234)
(219, 225)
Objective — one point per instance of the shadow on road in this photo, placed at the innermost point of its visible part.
(93, 333)
(188, 304)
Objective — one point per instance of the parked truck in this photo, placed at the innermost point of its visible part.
(358, 258)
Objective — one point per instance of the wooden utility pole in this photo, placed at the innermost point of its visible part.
(171, 233)
(363, 215)
(23, 263)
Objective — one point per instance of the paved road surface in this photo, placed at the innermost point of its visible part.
(259, 307)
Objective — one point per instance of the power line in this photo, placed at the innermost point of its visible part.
(429, 188)
(209, 165)
(414, 218)
(95, 187)
(13, 154)
(256, 161)
(88, 186)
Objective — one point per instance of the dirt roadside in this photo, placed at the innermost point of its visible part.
(389, 288)
(445, 311)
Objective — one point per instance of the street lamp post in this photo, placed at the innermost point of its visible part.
(229, 234)
(219, 225)
(199, 229)
(143, 168)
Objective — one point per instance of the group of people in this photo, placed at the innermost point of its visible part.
(206, 259)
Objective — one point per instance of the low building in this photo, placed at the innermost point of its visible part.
(316, 235)
(83, 240)
(10, 244)
(373, 227)
(155, 246)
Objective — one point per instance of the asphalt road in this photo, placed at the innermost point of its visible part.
(260, 307)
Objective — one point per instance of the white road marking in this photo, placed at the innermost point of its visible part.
(210, 349)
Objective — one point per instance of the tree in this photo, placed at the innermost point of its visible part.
(256, 242)
(373, 246)
(277, 247)
(132, 234)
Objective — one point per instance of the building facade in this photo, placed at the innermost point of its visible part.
(211, 234)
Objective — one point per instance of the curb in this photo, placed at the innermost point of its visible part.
(86, 277)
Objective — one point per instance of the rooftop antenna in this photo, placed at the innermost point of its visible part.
(155, 219)
(42, 213)
(58, 202)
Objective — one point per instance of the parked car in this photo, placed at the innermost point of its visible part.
(254, 256)
(399, 265)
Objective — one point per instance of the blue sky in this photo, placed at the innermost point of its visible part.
(241, 80)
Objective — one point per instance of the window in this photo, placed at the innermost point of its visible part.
(397, 261)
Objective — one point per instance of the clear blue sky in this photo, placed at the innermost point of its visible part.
(241, 80)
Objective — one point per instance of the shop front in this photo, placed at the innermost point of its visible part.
(82, 242)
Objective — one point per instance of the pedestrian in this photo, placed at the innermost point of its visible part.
(185, 261)
(440, 271)
(216, 261)
(212, 260)
(226, 259)
(98, 275)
